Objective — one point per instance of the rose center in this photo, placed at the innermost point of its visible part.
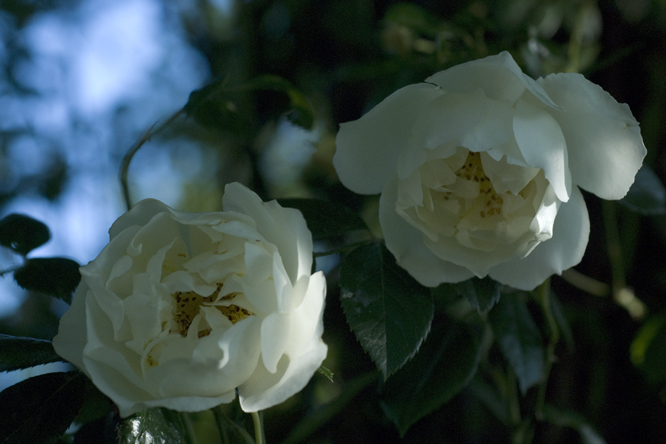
(472, 170)
(188, 305)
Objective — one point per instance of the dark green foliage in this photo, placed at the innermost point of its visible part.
(22, 233)
(482, 294)
(519, 339)
(40, 409)
(325, 219)
(445, 364)
(647, 195)
(215, 105)
(156, 425)
(19, 353)
(54, 276)
(389, 312)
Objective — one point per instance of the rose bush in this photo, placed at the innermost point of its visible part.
(479, 170)
(181, 309)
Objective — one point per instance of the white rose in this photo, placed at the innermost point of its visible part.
(479, 170)
(181, 309)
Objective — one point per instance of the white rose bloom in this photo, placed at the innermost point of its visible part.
(181, 309)
(479, 170)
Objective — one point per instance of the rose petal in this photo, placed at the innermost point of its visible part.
(367, 149)
(407, 245)
(307, 322)
(71, 338)
(603, 138)
(493, 130)
(444, 119)
(140, 214)
(283, 227)
(564, 250)
(498, 76)
(505, 176)
(275, 332)
(542, 144)
(304, 355)
(264, 389)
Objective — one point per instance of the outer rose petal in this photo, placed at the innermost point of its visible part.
(542, 144)
(139, 214)
(603, 138)
(283, 227)
(498, 76)
(407, 245)
(367, 149)
(564, 250)
(305, 353)
(71, 338)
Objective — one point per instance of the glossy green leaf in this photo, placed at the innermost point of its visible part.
(17, 353)
(22, 233)
(389, 311)
(325, 219)
(519, 339)
(157, 425)
(647, 195)
(40, 409)
(54, 276)
(445, 364)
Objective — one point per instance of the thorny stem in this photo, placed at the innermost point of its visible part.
(543, 297)
(124, 165)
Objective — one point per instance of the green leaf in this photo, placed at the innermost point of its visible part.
(95, 404)
(99, 431)
(40, 409)
(648, 349)
(446, 363)
(157, 425)
(482, 294)
(569, 419)
(325, 219)
(54, 276)
(488, 394)
(647, 194)
(215, 104)
(519, 339)
(17, 353)
(301, 113)
(389, 311)
(22, 233)
(318, 418)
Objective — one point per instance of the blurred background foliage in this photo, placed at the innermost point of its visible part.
(61, 146)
